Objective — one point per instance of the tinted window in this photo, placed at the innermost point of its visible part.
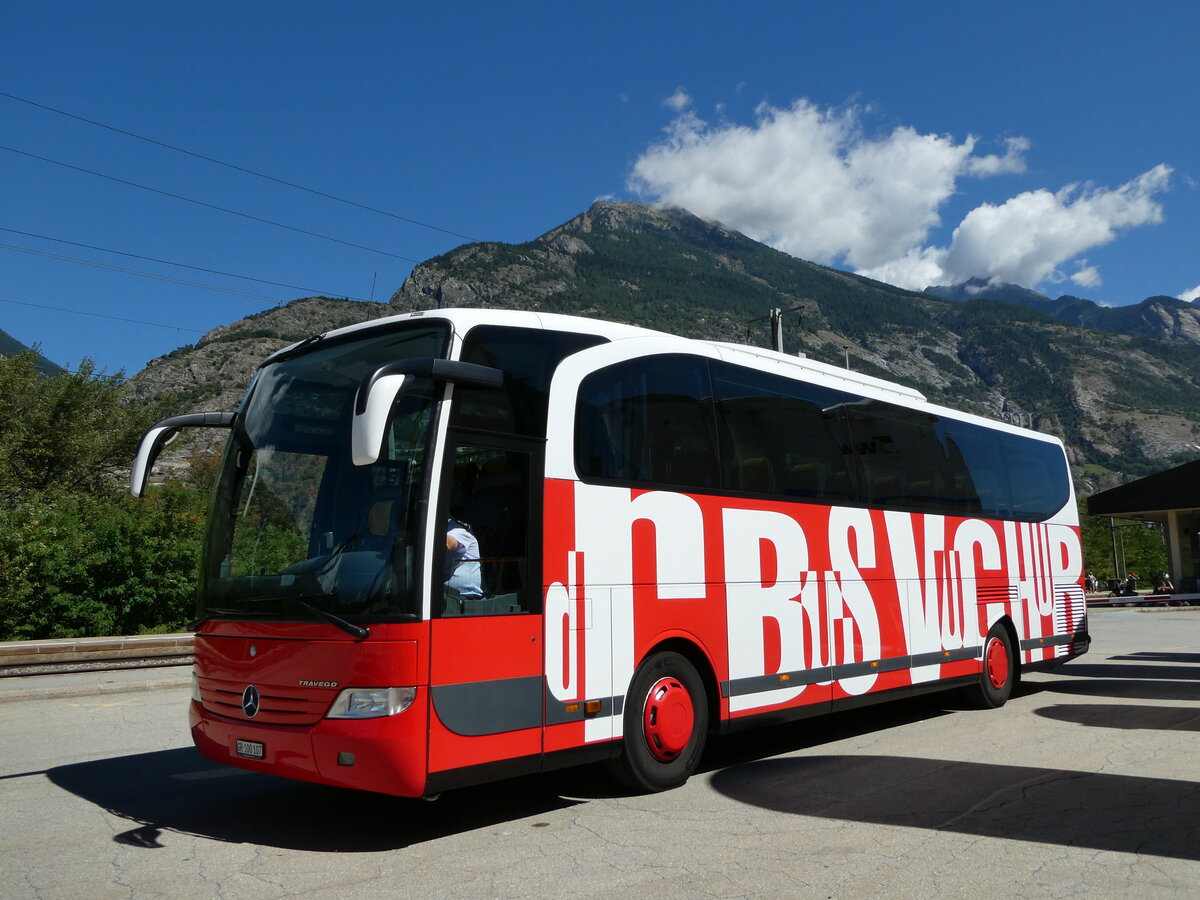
(648, 420)
(781, 436)
(653, 420)
(485, 566)
(528, 358)
(903, 463)
(1038, 476)
(977, 467)
(1006, 475)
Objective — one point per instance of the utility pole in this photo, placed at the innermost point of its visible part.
(1112, 527)
(775, 319)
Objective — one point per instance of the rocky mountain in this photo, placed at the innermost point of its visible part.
(1125, 403)
(1162, 317)
(213, 373)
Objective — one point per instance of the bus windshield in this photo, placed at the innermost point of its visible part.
(296, 531)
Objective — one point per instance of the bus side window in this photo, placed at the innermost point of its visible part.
(778, 437)
(488, 514)
(648, 421)
(528, 358)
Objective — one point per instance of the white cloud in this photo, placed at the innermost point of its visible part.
(813, 183)
(1028, 237)
(1087, 276)
(808, 181)
(678, 101)
(1013, 159)
(1192, 295)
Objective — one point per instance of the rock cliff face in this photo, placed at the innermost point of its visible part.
(212, 374)
(1126, 402)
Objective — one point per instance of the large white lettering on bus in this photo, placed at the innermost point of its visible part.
(853, 618)
(937, 587)
(590, 630)
(787, 617)
(773, 600)
(788, 598)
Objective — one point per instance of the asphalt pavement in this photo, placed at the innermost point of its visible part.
(1084, 784)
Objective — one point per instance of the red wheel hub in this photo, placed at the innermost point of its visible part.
(996, 663)
(668, 719)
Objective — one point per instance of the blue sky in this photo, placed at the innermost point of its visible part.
(1053, 144)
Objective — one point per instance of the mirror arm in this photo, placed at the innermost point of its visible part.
(160, 434)
(378, 392)
(438, 369)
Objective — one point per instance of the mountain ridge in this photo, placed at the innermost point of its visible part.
(1158, 316)
(1125, 404)
(10, 346)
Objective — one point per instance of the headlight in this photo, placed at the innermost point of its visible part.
(195, 686)
(371, 703)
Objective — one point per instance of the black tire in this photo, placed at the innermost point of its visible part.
(665, 725)
(1000, 672)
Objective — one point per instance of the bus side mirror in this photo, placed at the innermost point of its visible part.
(379, 391)
(162, 433)
(372, 412)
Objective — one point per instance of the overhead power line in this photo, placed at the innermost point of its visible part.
(236, 168)
(223, 209)
(166, 262)
(123, 270)
(80, 312)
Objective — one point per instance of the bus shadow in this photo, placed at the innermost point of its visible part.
(749, 746)
(1154, 670)
(1160, 656)
(1133, 689)
(1126, 814)
(1131, 717)
(180, 791)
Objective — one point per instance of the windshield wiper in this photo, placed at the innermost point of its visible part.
(299, 348)
(358, 631)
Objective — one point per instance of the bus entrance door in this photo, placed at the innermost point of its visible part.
(486, 658)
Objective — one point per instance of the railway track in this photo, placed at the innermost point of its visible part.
(61, 657)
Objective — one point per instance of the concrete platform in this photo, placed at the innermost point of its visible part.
(83, 684)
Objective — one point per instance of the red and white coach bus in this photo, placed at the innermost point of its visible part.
(452, 546)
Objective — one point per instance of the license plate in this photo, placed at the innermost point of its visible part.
(250, 749)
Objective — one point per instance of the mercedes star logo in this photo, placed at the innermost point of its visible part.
(250, 701)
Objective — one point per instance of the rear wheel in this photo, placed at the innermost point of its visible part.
(665, 724)
(999, 671)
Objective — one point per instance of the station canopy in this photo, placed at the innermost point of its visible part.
(1153, 496)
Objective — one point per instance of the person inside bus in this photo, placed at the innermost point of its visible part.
(463, 577)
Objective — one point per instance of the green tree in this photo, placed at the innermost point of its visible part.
(1139, 548)
(74, 430)
(78, 555)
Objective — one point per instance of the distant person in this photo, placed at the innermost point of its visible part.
(463, 576)
(1090, 583)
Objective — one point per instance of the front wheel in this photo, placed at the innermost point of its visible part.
(999, 671)
(665, 724)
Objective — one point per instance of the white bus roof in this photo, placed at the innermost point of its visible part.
(462, 319)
